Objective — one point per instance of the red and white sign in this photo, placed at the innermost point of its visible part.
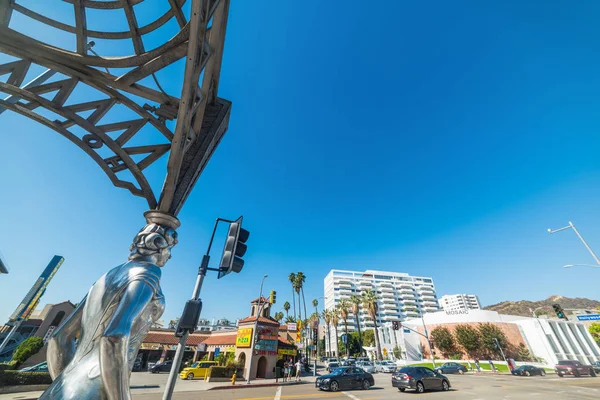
(292, 326)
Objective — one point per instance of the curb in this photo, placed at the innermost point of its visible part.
(258, 385)
(23, 388)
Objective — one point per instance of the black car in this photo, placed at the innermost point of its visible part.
(596, 366)
(419, 379)
(451, 368)
(528, 370)
(345, 378)
(161, 367)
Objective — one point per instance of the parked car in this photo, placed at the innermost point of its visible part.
(137, 365)
(41, 367)
(363, 359)
(573, 367)
(333, 366)
(451, 368)
(419, 379)
(196, 370)
(366, 366)
(345, 378)
(596, 366)
(164, 366)
(332, 360)
(385, 366)
(348, 363)
(528, 370)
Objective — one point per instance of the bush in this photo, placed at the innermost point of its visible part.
(29, 347)
(455, 356)
(224, 372)
(8, 378)
(8, 366)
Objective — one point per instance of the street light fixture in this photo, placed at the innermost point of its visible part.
(571, 226)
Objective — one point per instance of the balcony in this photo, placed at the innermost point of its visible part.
(386, 289)
(406, 285)
(390, 318)
(425, 289)
(387, 294)
(430, 303)
(409, 301)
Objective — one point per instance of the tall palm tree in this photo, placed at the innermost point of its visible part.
(315, 303)
(355, 302)
(370, 304)
(344, 310)
(286, 307)
(300, 279)
(278, 316)
(292, 279)
(290, 319)
(335, 320)
(326, 314)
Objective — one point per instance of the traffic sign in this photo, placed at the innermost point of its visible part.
(344, 338)
(385, 352)
(217, 351)
(406, 330)
(589, 317)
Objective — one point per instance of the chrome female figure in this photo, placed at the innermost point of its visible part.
(111, 322)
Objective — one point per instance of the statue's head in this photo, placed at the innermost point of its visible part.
(154, 242)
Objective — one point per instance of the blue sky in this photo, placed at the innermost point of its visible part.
(440, 139)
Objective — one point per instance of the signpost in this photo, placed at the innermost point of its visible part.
(217, 352)
(589, 317)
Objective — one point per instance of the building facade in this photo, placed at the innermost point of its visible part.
(459, 302)
(401, 297)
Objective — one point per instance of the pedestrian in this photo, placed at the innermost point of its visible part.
(285, 371)
(477, 364)
(298, 367)
(492, 366)
(290, 369)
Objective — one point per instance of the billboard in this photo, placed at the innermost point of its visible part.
(32, 298)
(244, 337)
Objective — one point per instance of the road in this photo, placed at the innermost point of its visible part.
(466, 387)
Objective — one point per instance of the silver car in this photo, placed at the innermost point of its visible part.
(385, 366)
(366, 366)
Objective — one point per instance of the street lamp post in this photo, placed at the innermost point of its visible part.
(255, 335)
(571, 226)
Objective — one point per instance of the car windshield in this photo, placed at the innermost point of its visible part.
(338, 371)
(566, 362)
(194, 365)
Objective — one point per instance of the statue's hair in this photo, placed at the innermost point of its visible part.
(152, 239)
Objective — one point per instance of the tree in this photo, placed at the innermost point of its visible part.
(355, 301)
(326, 314)
(26, 349)
(286, 307)
(523, 353)
(290, 318)
(278, 316)
(370, 304)
(594, 330)
(352, 347)
(397, 352)
(315, 303)
(368, 338)
(292, 279)
(300, 279)
(173, 323)
(489, 332)
(469, 338)
(443, 340)
(335, 320)
(344, 310)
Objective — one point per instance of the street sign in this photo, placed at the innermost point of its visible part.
(344, 339)
(217, 351)
(406, 330)
(292, 327)
(589, 317)
(385, 352)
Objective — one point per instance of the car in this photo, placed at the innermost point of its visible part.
(137, 365)
(363, 359)
(451, 368)
(333, 366)
(596, 366)
(345, 378)
(528, 370)
(348, 363)
(385, 366)
(366, 366)
(420, 379)
(197, 370)
(573, 367)
(332, 360)
(41, 367)
(159, 367)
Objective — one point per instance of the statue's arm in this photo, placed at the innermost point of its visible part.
(61, 347)
(115, 340)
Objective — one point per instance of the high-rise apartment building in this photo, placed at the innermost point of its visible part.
(401, 296)
(459, 302)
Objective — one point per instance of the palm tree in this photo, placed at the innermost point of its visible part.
(290, 319)
(326, 314)
(355, 302)
(335, 320)
(286, 307)
(315, 303)
(278, 316)
(300, 279)
(292, 279)
(344, 310)
(370, 304)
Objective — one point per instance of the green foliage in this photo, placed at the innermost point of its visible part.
(469, 338)
(397, 352)
(443, 340)
(225, 372)
(7, 366)
(523, 353)
(368, 337)
(225, 359)
(29, 347)
(9, 378)
(488, 332)
(353, 344)
(455, 356)
(290, 318)
(594, 330)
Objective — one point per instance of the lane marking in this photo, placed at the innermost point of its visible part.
(291, 396)
(353, 397)
(278, 394)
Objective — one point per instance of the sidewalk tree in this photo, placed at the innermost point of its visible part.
(286, 307)
(443, 340)
(326, 315)
(290, 319)
(469, 338)
(594, 330)
(278, 316)
(355, 302)
(370, 304)
(353, 344)
(344, 310)
(397, 352)
(335, 320)
(292, 279)
(368, 338)
(488, 332)
(26, 349)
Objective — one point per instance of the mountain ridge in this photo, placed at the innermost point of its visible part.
(523, 307)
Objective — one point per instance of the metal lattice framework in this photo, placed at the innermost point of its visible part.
(201, 117)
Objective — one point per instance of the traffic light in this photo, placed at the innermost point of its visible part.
(235, 248)
(431, 345)
(396, 325)
(560, 313)
(273, 297)
(315, 335)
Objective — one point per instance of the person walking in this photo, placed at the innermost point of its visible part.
(290, 369)
(285, 371)
(298, 368)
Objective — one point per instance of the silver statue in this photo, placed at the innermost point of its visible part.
(91, 354)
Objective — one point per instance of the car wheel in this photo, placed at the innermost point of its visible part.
(592, 373)
(334, 386)
(366, 385)
(441, 371)
(560, 375)
(527, 373)
(576, 374)
(190, 376)
(420, 387)
(445, 386)
(460, 371)
(543, 373)
(402, 389)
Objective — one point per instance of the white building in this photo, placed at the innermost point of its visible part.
(458, 302)
(549, 339)
(401, 297)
